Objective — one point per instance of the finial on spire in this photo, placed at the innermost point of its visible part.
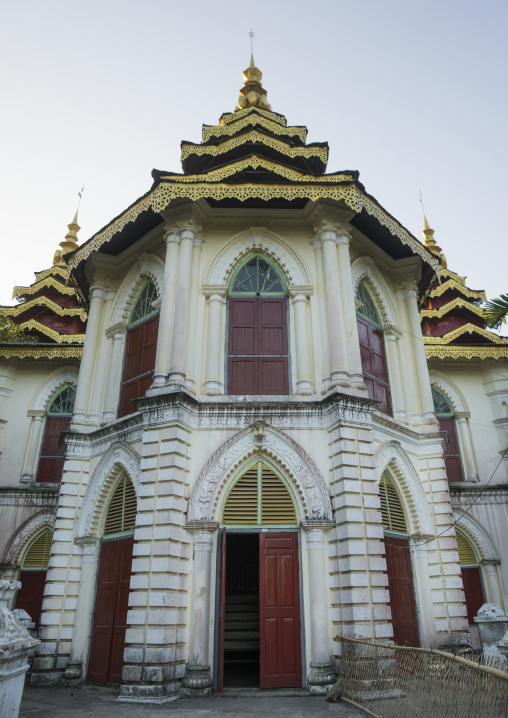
(252, 93)
(70, 242)
(428, 238)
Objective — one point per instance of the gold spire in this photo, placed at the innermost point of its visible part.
(69, 244)
(430, 242)
(252, 93)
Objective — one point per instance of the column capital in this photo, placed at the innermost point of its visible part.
(36, 413)
(462, 416)
(97, 291)
(408, 291)
(299, 298)
(170, 236)
(490, 562)
(216, 298)
(206, 526)
(392, 333)
(323, 524)
(118, 329)
(327, 232)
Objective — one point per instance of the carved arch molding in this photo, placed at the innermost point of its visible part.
(25, 535)
(65, 375)
(477, 536)
(283, 452)
(364, 269)
(149, 266)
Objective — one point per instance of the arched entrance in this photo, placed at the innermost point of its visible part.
(398, 565)
(471, 577)
(113, 583)
(259, 627)
(33, 576)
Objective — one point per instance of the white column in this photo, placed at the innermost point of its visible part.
(465, 448)
(323, 328)
(349, 314)
(167, 309)
(493, 591)
(392, 336)
(422, 370)
(321, 673)
(423, 590)
(213, 385)
(192, 345)
(33, 447)
(117, 334)
(197, 673)
(181, 313)
(84, 610)
(86, 369)
(102, 368)
(334, 310)
(303, 380)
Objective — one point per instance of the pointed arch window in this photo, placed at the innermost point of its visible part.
(259, 497)
(445, 416)
(33, 575)
(140, 349)
(471, 577)
(258, 334)
(58, 418)
(372, 349)
(121, 515)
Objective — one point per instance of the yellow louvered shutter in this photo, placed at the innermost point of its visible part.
(277, 506)
(259, 496)
(392, 512)
(121, 514)
(466, 552)
(242, 502)
(38, 553)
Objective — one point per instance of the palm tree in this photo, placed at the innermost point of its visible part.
(495, 311)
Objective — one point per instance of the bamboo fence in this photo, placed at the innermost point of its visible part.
(389, 681)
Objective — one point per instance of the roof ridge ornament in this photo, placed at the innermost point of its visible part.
(70, 243)
(252, 94)
(428, 238)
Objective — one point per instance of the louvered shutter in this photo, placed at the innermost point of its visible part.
(38, 553)
(121, 516)
(259, 496)
(242, 501)
(277, 506)
(466, 553)
(392, 512)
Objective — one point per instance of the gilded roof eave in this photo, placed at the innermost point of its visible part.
(39, 351)
(467, 352)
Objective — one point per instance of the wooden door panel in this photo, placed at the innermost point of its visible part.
(273, 377)
(50, 470)
(149, 345)
(473, 591)
(452, 454)
(242, 376)
(374, 366)
(243, 326)
(272, 326)
(279, 611)
(30, 595)
(400, 586)
(132, 362)
(222, 610)
(130, 390)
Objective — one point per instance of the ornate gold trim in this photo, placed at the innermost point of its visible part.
(49, 282)
(55, 269)
(466, 329)
(254, 136)
(445, 272)
(229, 117)
(454, 284)
(33, 351)
(44, 301)
(455, 304)
(52, 333)
(469, 352)
(209, 131)
(167, 191)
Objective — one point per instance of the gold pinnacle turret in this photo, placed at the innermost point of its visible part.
(69, 244)
(430, 242)
(252, 93)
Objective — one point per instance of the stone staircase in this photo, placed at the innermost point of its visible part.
(241, 623)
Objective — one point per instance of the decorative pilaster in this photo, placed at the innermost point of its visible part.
(84, 610)
(102, 370)
(213, 385)
(493, 590)
(392, 336)
(423, 590)
(349, 314)
(117, 334)
(303, 379)
(466, 449)
(172, 240)
(334, 309)
(197, 680)
(321, 673)
(323, 327)
(181, 314)
(190, 352)
(86, 369)
(38, 418)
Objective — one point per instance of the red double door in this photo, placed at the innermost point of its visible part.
(110, 614)
(258, 346)
(401, 589)
(279, 611)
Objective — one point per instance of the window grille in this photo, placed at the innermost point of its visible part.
(259, 497)
(63, 403)
(143, 306)
(367, 309)
(121, 516)
(442, 406)
(392, 512)
(37, 556)
(257, 276)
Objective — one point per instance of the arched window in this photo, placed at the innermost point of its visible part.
(398, 565)
(33, 576)
(113, 582)
(140, 349)
(259, 497)
(445, 416)
(58, 418)
(471, 577)
(372, 349)
(258, 336)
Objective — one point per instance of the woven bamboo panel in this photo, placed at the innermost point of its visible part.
(121, 514)
(38, 553)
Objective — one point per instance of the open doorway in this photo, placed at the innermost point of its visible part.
(241, 615)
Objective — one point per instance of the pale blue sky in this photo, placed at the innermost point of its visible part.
(412, 94)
